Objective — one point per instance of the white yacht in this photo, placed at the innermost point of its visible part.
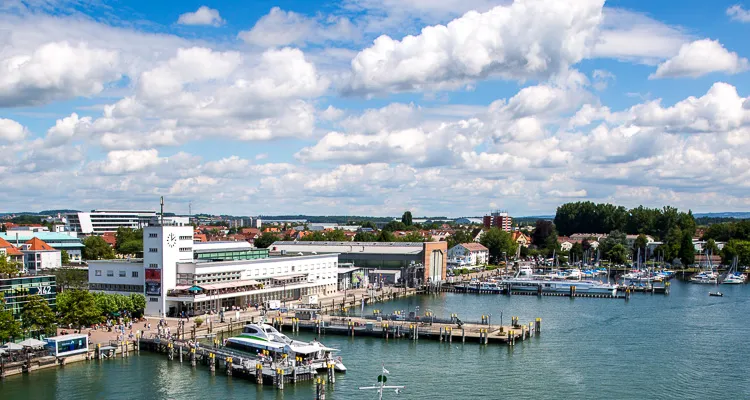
(256, 337)
(525, 282)
(734, 277)
(574, 274)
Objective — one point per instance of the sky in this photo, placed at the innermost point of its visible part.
(373, 107)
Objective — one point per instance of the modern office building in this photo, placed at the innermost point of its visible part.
(98, 222)
(38, 256)
(499, 219)
(16, 291)
(176, 274)
(428, 260)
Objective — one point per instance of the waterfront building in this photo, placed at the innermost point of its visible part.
(468, 255)
(67, 241)
(16, 291)
(177, 274)
(98, 222)
(498, 219)
(67, 345)
(351, 277)
(427, 259)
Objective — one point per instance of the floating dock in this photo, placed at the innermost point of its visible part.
(623, 291)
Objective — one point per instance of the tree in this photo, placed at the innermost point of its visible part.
(138, 302)
(673, 243)
(687, 250)
(265, 240)
(458, 237)
(97, 249)
(365, 237)
(70, 278)
(639, 245)
(7, 267)
(336, 235)
(498, 242)
(9, 327)
(711, 247)
(613, 239)
(134, 247)
(736, 248)
(576, 251)
(406, 218)
(316, 236)
(369, 224)
(617, 254)
(37, 317)
(386, 236)
(129, 241)
(394, 226)
(412, 237)
(64, 257)
(78, 308)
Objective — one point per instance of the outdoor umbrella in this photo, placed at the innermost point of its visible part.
(32, 343)
(12, 346)
(195, 289)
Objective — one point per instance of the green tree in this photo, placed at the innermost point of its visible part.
(458, 237)
(736, 248)
(106, 303)
(394, 226)
(129, 241)
(369, 224)
(316, 236)
(711, 247)
(576, 251)
(9, 268)
(498, 242)
(265, 240)
(71, 278)
(386, 236)
(64, 257)
(37, 317)
(97, 249)
(614, 238)
(412, 237)
(617, 254)
(687, 250)
(365, 237)
(9, 327)
(673, 243)
(134, 247)
(336, 235)
(639, 246)
(138, 302)
(78, 308)
(406, 218)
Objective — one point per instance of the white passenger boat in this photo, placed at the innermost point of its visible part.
(524, 282)
(257, 337)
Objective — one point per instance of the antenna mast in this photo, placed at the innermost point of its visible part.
(161, 216)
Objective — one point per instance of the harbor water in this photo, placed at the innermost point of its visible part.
(686, 345)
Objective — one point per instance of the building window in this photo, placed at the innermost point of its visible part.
(153, 235)
(153, 250)
(122, 274)
(134, 274)
(186, 249)
(110, 273)
(153, 299)
(98, 272)
(153, 265)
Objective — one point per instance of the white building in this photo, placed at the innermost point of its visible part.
(174, 279)
(468, 254)
(98, 222)
(38, 255)
(116, 276)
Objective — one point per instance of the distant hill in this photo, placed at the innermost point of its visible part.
(735, 215)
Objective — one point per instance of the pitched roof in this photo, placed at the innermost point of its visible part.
(9, 248)
(37, 244)
(474, 247)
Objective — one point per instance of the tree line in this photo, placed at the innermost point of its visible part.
(589, 217)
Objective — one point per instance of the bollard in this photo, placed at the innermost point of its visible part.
(538, 327)
(211, 362)
(229, 366)
(280, 378)
(331, 375)
(320, 389)
(192, 358)
(259, 374)
(441, 334)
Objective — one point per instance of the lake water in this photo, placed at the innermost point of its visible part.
(686, 345)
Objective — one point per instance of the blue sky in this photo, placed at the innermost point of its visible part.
(373, 107)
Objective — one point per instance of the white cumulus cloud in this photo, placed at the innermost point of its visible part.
(281, 28)
(699, 58)
(11, 131)
(202, 16)
(737, 13)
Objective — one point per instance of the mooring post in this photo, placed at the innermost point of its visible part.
(211, 362)
(98, 351)
(320, 389)
(170, 355)
(441, 334)
(180, 354)
(538, 327)
(463, 335)
(280, 377)
(450, 335)
(331, 375)
(229, 366)
(192, 357)
(259, 374)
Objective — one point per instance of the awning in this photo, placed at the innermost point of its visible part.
(228, 285)
(12, 346)
(32, 343)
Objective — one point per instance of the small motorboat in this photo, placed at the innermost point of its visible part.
(717, 294)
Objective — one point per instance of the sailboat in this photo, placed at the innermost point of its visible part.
(733, 276)
(708, 275)
(382, 379)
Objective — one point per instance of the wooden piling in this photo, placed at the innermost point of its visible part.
(228, 366)
(538, 327)
(259, 374)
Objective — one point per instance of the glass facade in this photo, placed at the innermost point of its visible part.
(232, 255)
(17, 290)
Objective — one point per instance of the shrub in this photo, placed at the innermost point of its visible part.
(198, 322)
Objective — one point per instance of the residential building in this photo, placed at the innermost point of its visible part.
(67, 241)
(521, 238)
(38, 255)
(468, 255)
(499, 219)
(16, 291)
(12, 253)
(419, 262)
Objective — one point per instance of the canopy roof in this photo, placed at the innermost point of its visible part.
(32, 343)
